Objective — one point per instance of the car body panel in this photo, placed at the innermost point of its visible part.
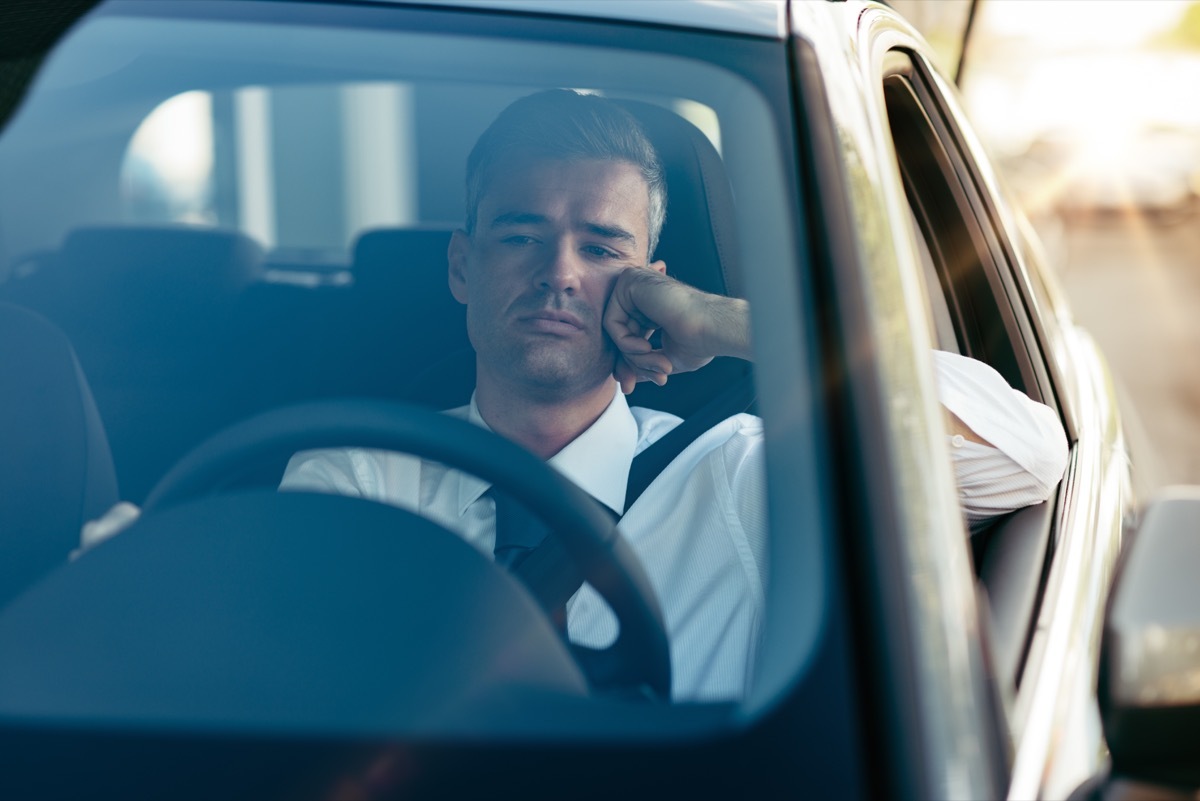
(1090, 532)
(1059, 745)
(1066, 648)
(939, 612)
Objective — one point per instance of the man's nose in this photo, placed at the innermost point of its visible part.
(562, 270)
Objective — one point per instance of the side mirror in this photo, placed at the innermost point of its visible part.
(1150, 663)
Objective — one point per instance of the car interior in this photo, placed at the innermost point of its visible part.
(179, 331)
(180, 317)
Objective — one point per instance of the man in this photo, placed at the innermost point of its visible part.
(565, 201)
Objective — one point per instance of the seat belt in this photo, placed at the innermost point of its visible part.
(550, 573)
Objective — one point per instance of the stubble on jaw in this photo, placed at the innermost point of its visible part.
(544, 374)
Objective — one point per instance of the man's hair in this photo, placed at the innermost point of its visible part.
(565, 125)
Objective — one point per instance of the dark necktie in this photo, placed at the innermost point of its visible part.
(517, 531)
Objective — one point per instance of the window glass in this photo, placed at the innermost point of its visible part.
(170, 171)
(261, 216)
(962, 243)
(1010, 554)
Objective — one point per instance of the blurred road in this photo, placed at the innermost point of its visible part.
(1136, 286)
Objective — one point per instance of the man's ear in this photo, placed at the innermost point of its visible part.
(658, 266)
(456, 255)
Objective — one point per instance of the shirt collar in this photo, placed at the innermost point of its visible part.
(597, 460)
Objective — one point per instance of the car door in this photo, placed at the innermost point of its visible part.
(1043, 570)
(934, 721)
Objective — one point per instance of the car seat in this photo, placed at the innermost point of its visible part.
(401, 289)
(148, 310)
(56, 470)
(698, 243)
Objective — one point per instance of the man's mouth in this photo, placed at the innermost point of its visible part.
(553, 321)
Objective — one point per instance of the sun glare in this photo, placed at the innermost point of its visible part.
(1067, 24)
(1095, 115)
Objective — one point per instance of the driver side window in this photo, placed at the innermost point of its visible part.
(965, 267)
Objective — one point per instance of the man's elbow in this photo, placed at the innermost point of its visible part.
(1050, 460)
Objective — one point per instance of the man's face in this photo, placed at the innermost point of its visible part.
(550, 238)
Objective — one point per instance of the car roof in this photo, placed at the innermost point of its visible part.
(767, 18)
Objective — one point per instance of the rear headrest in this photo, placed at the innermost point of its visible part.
(174, 260)
(387, 257)
(401, 280)
(699, 239)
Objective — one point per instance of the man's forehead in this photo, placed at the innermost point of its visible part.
(584, 192)
(581, 179)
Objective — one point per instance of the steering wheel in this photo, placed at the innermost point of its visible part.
(586, 531)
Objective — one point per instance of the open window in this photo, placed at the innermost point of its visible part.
(976, 310)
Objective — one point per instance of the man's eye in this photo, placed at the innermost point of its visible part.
(518, 239)
(601, 252)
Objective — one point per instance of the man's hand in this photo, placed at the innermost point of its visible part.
(695, 326)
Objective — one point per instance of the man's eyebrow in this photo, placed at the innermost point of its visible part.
(517, 218)
(611, 232)
(514, 218)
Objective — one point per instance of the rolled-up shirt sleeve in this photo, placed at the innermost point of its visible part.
(1029, 447)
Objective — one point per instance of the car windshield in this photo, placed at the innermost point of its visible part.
(233, 207)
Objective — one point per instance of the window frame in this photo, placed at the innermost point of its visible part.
(790, 317)
(1011, 346)
(1012, 557)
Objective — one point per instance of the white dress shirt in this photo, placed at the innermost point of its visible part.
(700, 530)
(1030, 450)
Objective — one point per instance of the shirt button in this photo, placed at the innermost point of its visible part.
(957, 441)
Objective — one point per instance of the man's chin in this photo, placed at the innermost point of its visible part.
(559, 384)
(547, 372)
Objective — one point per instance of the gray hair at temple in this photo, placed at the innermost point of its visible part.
(566, 125)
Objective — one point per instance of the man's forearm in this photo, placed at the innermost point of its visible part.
(730, 326)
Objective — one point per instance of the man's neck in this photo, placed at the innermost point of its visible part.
(542, 425)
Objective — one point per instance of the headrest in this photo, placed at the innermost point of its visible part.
(401, 283)
(699, 239)
(177, 260)
(698, 243)
(386, 257)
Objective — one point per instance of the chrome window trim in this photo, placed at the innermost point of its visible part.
(1058, 742)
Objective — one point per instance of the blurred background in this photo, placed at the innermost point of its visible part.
(1091, 109)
